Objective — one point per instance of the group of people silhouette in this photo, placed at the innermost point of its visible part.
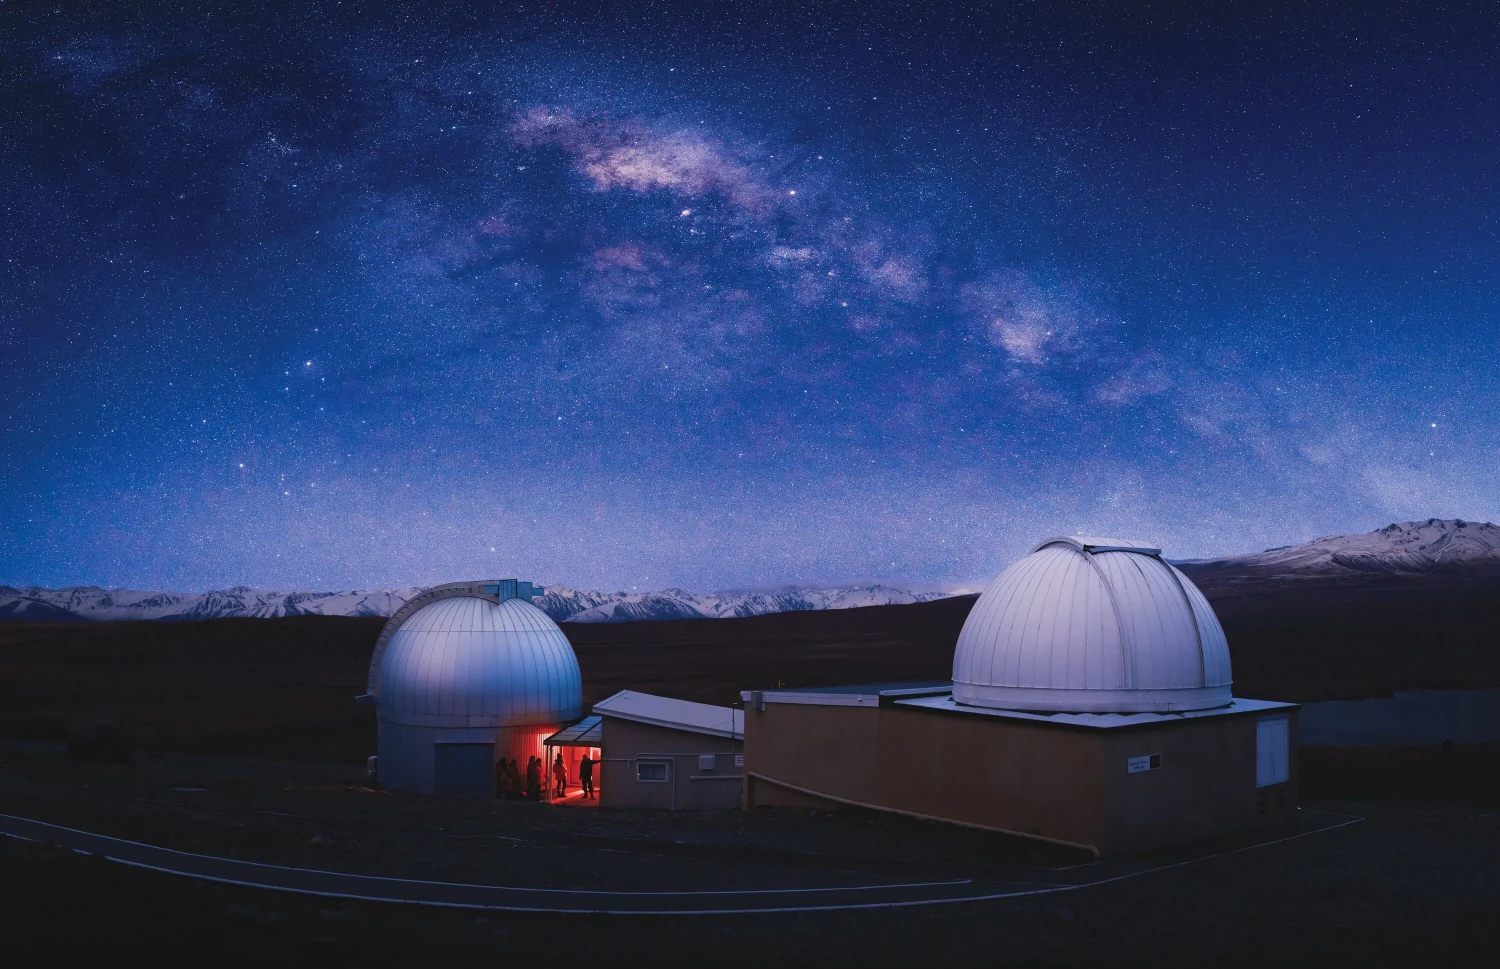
(511, 784)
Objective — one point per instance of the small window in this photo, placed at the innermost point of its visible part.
(1271, 766)
(707, 762)
(654, 771)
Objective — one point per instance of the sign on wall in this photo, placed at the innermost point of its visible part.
(1137, 764)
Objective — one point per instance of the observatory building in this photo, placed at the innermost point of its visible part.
(465, 674)
(1090, 705)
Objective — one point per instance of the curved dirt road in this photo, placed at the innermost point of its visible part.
(579, 901)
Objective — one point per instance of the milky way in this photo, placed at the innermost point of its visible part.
(328, 296)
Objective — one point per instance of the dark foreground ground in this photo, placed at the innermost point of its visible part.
(1412, 884)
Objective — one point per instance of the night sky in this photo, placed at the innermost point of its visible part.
(733, 295)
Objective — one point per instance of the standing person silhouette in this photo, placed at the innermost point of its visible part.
(513, 778)
(534, 778)
(586, 775)
(560, 777)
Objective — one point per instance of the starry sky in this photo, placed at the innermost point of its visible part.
(730, 295)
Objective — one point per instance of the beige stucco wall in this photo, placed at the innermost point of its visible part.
(1032, 779)
(1064, 783)
(822, 748)
(1205, 785)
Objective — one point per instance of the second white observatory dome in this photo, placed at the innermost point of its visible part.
(469, 662)
(1092, 625)
(464, 675)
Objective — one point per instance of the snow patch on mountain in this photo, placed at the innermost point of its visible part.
(94, 603)
(560, 602)
(1398, 548)
(680, 604)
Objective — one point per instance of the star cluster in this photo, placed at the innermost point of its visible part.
(332, 295)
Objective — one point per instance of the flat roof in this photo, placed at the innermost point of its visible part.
(588, 732)
(663, 711)
(858, 695)
(1093, 721)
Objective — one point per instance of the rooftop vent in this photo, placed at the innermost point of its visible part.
(504, 589)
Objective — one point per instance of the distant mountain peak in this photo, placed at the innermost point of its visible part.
(1410, 547)
(560, 602)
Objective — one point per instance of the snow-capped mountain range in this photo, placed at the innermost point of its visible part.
(1403, 547)
(567, 604)
(93, 603)
(560, 602)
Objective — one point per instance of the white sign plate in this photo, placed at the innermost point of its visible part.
(1137, 764)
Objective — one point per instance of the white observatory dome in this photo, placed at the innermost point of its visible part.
(472, 662)
(1092, 625)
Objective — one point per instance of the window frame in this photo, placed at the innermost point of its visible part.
(663, 763)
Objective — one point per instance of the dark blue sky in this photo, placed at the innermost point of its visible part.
(727, 295)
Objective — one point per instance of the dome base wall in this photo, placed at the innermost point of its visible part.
(408, 758)
(1040, 700)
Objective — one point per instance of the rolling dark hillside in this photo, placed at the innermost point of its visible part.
(1360, 634)
(284, 687)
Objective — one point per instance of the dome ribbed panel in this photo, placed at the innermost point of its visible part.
(470, 662)
(1104, 657)
(1070, 629)
(1044, 622)
(1216, 667)
(996, 618)
(1054, 665)
(1024, 628)
(1157, 620)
